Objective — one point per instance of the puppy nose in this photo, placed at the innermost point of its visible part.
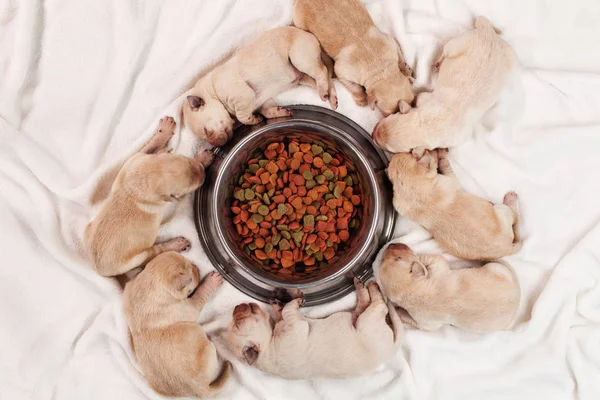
(217, 140)
(254, 307)
(241, 308)
(398, 246)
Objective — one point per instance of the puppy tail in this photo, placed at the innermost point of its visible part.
(222, 379)
(397, 326)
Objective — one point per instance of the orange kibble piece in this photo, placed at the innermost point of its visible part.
(260, 254)
(330, 227)
(251, 224)
(348, 192)
(302, 191)
(308, 158)
(355, 200)
(297, 203)
(329, 253)
(281, 164)
(312, 194)
(348, 206)
(272, 146)
(278, 199)
(311, 238)
(320, 226)
(263, 232)
(343, 171)
(344, 235)
(303, 168)
(287, 254)
(318, 162)
(310, 261)
(244, 215)
(332, 203)
(298, 155)
(270, 154)
(294, 225)
(286, 263)
(305, 147)
(287, 192)
(342, 223)
(311, 210)
(297, 179)
(260, 242)
(236, 219)
(236, 210)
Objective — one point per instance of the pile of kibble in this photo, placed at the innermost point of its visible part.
(295, 206)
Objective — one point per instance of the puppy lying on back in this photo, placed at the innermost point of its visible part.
(342, 345)
(430, 294)
(472, 70)
(123, 234)
(277, 60)
(162, 305)
(368, 62)
(465, 225)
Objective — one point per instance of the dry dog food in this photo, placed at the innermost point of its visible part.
(295, 207)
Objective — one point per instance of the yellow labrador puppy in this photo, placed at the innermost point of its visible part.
(465, 225)
(123, 234)
(342, 345)
(162, 305)
(472, 70)
(276, 61)
(430, 294)
(368, 62)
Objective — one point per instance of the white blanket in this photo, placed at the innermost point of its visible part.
(83, 84)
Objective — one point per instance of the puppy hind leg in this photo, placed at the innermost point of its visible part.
(306, 57)
(244, 105)
(164, 132)
(511, 199)
(271, 110)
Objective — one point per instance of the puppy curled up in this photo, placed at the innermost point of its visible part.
(466, 226)
(368, 62)
(123, 234)
(342, 345)
(162, 305)
(277, 60)
(430, 294)
(473, 68)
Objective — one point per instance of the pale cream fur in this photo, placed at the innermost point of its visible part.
(473, 68)
(342, 345)
(465, 225)
(430, 294)
(368, 62)
(162, 305)
(123, 234)
(277, 60)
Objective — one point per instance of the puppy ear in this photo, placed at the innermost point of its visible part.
(404, 107)
(181, 281)
(418, 270)
(251, 353)
(195, 102)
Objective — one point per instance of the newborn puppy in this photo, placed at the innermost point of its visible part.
(472, 69)
(368, 62)
(276, 61)
(430, 294)
(123, 234)
(342, 345)
(465, 225)
(162, 305)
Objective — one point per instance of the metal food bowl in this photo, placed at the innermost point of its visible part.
(222, 244)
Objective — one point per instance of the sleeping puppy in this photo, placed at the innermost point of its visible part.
(123, 234)
(277, 60)
(430, 294)
(465, 225)
(368, 62)
(472, 70)
(162, 305)
(342, 345)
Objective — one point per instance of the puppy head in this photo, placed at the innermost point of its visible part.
(161, 177)
(175, 274)
(389, 133)
(208, 118)
(249, 332)
(417, 165)
(388, 93)
(400, 257)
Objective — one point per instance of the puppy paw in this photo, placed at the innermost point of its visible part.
(358, 285)
(213, 279)
(511, 198)
(333, 100)
(300, 301)
(179, 244)
(205, 158)
(166, 126)
(360, 100)
(442, 153)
